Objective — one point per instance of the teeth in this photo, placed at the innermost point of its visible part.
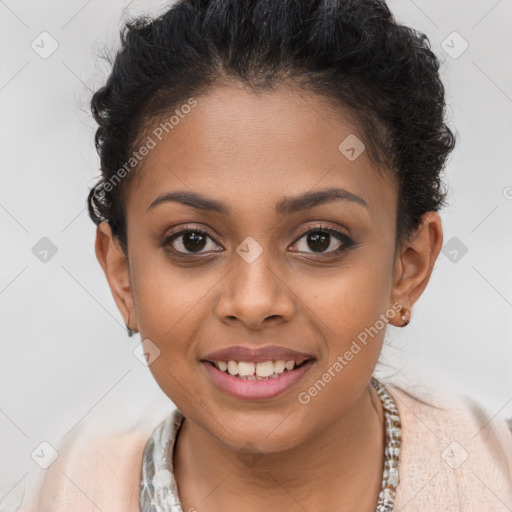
(265, 369)
(245, 369)
(279, 366)
(255, 371)
(233, 367)
(289, 365)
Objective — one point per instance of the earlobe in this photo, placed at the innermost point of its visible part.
(115, 266)
(415, 261)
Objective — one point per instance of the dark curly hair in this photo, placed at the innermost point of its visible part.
(352, 52)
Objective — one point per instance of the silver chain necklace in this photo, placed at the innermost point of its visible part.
(159, 491)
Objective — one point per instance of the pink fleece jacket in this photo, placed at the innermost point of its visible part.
(454, 457)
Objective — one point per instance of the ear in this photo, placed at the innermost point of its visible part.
(415, 261)
(115, 266)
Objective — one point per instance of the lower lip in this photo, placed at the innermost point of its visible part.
(256, 389)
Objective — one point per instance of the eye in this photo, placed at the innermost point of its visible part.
(189, 241)
(321, 238)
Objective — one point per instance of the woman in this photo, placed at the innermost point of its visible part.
(269, 198)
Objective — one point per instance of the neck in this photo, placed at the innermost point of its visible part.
(338, 469)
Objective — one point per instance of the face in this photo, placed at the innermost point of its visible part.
(248, 257)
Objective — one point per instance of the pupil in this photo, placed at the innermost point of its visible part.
(193, 241)
(319, 241)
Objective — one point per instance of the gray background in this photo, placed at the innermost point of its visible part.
(66, 359)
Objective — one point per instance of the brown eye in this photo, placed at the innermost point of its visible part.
(322, 240)
(188, 241)
(319, 241)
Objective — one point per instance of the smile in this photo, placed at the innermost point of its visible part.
(256, 381)
(256, 371)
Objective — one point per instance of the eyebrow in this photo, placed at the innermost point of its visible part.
(285, 206)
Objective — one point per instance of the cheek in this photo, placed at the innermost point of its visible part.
(351, 296)
(350, 311)
(350, 308)
(169, 314)
(167, 298)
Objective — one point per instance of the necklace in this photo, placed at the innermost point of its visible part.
(159, 491)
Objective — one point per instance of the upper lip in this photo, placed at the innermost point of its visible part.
(257, 355)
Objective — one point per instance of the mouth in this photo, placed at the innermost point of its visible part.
(263, 370)
(257, 380)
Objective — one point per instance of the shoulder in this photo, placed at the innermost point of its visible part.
(454, 452)
(94, 470)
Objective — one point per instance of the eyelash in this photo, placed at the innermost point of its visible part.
(346, 241)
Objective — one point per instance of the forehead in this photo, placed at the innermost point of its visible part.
(250, 149)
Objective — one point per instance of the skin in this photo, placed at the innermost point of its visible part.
(249, 151)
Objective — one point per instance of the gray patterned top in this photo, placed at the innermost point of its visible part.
(159, 491)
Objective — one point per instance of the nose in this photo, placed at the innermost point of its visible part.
(255, 294)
